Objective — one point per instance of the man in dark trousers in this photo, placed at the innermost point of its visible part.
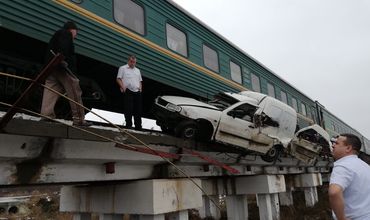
(130, 83)
(61, 79)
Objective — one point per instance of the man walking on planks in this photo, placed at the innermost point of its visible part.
(61, 79)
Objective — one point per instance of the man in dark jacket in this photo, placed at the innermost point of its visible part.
(61, 79)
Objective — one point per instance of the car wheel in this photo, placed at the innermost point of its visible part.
(187, 129)
(272, 154)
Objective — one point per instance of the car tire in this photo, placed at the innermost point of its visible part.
(187, 130)
(272, 154)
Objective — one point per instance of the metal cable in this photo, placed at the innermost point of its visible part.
(103, 137)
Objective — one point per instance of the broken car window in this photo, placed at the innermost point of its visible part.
(244, 112)
(264, 120)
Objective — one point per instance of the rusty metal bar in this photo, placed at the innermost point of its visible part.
(39, 79)
(211, 161)
(149, 151)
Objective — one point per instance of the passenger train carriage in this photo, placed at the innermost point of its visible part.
(177, 55)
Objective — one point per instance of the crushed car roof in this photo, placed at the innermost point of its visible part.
(318, 130)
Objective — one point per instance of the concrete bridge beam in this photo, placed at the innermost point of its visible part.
(144, 197)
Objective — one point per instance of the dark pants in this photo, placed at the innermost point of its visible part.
(61, 81)
(132, 107)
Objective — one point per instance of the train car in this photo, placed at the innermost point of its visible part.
(177, 54)
(332, 124)
(366, 147)
(335, 126)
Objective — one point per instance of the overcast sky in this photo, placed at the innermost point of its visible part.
(322, 47)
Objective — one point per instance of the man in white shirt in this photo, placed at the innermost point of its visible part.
(130, 83)
(349, 187)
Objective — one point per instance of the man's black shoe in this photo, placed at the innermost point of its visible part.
(138, 129)
(82, 124)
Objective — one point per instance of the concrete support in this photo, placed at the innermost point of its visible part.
(286, 198)
(309, 182)
(269, 208)
(310, 195)
(267, 188)
(213, 188)
(145, 197)
(147, 217)
(209, 209)
(82, 216)
(181, 215)
(110, 217)
(237, 207)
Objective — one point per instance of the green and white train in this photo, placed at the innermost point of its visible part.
(177, 55)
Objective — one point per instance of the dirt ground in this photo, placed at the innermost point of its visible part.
(44, 205)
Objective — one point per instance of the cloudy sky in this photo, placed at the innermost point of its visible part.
(322, 47)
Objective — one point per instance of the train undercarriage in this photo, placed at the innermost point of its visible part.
(24, 56)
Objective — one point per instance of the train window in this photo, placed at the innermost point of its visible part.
(256, 86)
(303, 108)
(236, 72)
(210, 58)
(130, 15)
(294, 104)
(283, 97)
(308, 113)
(270, 90)
(176, 40)
(313, 114)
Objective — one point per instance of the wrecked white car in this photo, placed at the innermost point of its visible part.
(310, 142)
(247, 120)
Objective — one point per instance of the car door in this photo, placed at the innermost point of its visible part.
(236, 125)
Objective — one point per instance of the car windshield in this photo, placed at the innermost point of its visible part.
(222, 101)
(221, 104)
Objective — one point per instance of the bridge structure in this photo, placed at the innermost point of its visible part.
(112, 180)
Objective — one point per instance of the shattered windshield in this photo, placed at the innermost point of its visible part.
(222, 101)
(219, 103)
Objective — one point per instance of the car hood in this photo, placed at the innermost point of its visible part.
(184, 101)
